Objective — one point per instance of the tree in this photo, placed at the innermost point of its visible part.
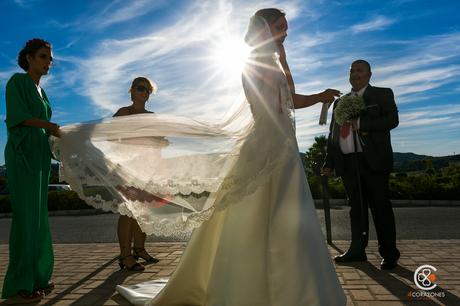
(428, 162)
(314, 157)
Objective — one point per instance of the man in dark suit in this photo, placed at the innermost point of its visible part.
(366, 168)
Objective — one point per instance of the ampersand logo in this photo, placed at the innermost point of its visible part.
(424, 277)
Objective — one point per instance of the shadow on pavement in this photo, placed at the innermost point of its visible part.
(400, 289)
(449, 299)
(69, 290)
(104, 292)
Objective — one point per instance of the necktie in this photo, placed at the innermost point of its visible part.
(345, 130)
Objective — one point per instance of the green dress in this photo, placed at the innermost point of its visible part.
(28, 163)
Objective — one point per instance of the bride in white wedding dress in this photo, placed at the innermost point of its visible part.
(257, 240)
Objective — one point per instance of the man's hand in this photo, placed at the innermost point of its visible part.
(329, 95)
(326, 171)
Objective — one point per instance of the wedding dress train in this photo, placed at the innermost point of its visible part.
(266, 250)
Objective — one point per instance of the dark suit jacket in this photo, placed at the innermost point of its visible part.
(376, 121)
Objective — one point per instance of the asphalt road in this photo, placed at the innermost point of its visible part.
(411, 223)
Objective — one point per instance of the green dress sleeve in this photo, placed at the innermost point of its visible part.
(17, 109)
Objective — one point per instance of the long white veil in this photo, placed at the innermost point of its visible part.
(169, 172)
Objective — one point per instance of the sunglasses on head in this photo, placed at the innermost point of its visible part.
(140, 88)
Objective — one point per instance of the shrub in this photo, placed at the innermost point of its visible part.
(57, 200)
(65, 200)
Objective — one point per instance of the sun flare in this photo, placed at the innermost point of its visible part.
(229, 56)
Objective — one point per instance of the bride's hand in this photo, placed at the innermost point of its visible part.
(329, 95)
(282, 53)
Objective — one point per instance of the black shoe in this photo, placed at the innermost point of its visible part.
(130, 263)
(388, 264)
(142, 253)
(350, 257)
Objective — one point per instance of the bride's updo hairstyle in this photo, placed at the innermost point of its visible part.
(259, 35)
(270, 14)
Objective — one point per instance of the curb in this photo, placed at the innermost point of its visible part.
(318, 204)
(74, 212)
(397, 203)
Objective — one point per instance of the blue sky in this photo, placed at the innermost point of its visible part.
(194, 51)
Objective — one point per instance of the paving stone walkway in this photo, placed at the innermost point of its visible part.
(86, 274)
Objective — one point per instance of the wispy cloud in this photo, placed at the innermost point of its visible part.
(120, 11)
(413, 70)
(401, 2)
(424, 122)
(430, 112)
(113, 13)
(426, 129)
(6, 74)
(376, 24)
(25, 3)
(427, 79)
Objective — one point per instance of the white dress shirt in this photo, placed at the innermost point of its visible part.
(39, 89)
(347, 144)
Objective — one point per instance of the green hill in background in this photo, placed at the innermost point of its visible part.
(407, 162)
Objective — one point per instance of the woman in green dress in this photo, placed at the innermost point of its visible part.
(28, 162)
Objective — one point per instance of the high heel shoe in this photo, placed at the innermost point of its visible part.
(122, 262)
(141, 252)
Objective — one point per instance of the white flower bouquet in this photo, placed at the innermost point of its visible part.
(348, 108)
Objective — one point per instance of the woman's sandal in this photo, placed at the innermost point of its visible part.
(47, 289)
(25, 297)
(142, 253)
(122, 262)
